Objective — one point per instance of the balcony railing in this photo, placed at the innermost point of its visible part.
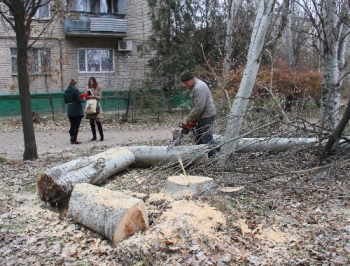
(86, 24)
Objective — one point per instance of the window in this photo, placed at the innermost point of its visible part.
(39, 60)
(102, 6)
(95, 60)
(43, 12)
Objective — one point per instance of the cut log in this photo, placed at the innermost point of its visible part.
(55, 185)
(272, 144)
(146, 156)
(150, 155)
(182, 185)
(112, 214)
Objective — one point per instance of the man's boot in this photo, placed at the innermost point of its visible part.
(100, 130)
(93, 130)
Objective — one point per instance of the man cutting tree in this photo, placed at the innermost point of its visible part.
(203, 109)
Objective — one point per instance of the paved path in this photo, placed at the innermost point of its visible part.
(54, 141)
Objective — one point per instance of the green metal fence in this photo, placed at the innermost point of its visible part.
(111, 101)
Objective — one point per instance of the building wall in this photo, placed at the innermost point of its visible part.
(129, 66)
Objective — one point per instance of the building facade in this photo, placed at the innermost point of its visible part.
(99, 38)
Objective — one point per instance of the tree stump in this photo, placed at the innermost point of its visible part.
(113, 214)
(56, 184)
(183, 184)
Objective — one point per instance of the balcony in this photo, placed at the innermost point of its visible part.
(85, 24)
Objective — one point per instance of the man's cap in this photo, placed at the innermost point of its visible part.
(186, 75)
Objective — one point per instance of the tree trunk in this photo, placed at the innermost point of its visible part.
(334, 138)
(234, 5)
(112, 214)
(56, 184)
(150, 155)
(146, 156)
(272, 144)
(238, 109)
(30, 149)
(334, 40)
(288, 39)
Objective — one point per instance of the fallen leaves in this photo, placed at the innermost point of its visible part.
(248, 225)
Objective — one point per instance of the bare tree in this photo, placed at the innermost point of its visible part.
(18, 17)
(233, 11)
(261, 26)
(330, 20)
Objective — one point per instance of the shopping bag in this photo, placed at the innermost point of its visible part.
(91, 107)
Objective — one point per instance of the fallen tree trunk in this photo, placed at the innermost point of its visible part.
(56, 184)
(272, 144)
(112, 214)
(151, 155)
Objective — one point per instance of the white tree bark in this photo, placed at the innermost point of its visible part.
(113, 214)
(151, 155)
(146, 156)
(331, 20)
(234, 5)
(288, 40)
(237, 113)
(272, 144)
(56, 184)
(330, 100)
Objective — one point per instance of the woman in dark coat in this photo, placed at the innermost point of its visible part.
(74, 110)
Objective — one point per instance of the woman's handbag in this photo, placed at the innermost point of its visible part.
(92, 107)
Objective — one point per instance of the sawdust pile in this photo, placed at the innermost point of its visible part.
(185, 233)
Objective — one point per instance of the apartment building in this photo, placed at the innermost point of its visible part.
(97, 38)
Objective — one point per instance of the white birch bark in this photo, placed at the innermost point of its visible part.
(112, 214)
(146, 156)
(151, 155)
(273, 144)
(334, 35)
(288, 40)
(56, 183)
(234, 5)
(330, 100)
(239, 106)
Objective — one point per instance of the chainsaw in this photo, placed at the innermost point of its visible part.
(184, 131)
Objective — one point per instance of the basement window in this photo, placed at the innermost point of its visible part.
(38, 61)
(96, 60)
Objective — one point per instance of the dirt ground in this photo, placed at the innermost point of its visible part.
(52, 139)
(299, 219)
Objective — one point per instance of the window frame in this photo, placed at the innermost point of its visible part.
(47, 6)
(116, 6)
(36, 16)
(86, 65)
(39, 61)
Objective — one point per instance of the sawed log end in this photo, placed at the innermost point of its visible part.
(48, 190)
